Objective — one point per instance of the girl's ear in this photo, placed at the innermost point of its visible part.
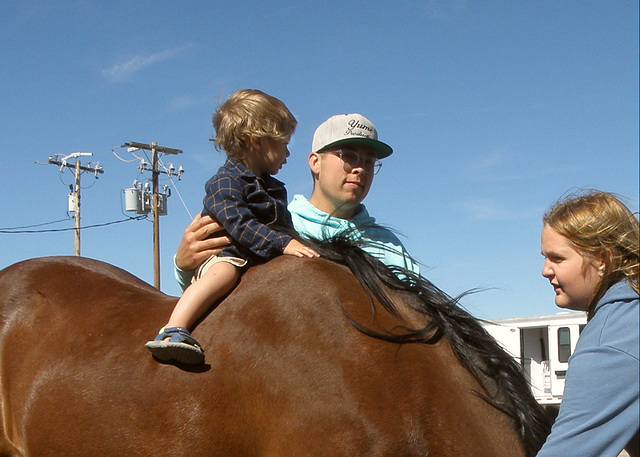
(603, 260)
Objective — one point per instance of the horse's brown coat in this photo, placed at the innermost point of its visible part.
(286, 374)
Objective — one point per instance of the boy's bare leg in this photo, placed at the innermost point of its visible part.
(219, 279)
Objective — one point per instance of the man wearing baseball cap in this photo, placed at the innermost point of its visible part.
(345, 155)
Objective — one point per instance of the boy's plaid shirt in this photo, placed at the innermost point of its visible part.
(251, 209)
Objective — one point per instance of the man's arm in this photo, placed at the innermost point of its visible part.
(195, 247)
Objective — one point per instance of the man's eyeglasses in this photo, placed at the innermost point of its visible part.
(353, 160)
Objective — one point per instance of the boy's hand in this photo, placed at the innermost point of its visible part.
(298, 249)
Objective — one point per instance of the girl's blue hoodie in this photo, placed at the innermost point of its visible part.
(599, 411)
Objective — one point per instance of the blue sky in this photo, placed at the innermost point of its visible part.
(494, 109)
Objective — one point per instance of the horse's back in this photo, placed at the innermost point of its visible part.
(286, 372)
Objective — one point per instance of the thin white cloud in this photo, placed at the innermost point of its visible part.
(186, 101)
(445, 9)
(484, 209)
(182, 102)
(501, 165)
(122, 71)
(489, 209)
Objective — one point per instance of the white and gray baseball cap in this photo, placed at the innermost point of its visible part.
(349, 128)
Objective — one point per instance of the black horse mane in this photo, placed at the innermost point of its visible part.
(503, 382)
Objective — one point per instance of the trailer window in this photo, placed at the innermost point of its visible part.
(564, 344)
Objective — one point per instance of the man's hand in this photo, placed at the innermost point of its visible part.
(196, 246)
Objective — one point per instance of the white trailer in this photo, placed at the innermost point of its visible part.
(542, 345)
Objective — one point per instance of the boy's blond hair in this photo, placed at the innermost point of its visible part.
(599, 224)
(247, 115)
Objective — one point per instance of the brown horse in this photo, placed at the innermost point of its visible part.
(302, 359)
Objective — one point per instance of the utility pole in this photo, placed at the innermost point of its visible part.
(155, 172)
(74, 197)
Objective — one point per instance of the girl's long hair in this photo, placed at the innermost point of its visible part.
(599, 225)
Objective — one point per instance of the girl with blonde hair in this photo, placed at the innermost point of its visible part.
(591, 243)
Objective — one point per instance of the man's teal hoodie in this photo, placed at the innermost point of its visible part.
(380, 242)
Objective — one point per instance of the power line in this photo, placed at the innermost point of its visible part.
(168, 172)
(16, 230)
(35, 225)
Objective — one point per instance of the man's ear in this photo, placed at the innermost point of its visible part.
(314, 163)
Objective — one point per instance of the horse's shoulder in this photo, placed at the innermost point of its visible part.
(290, 269)
(286, 287)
